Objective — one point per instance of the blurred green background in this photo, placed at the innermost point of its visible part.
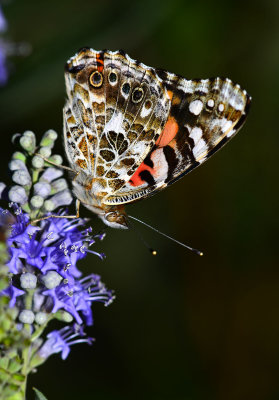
(182, 327)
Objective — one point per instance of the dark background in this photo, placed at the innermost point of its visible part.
(182, 327)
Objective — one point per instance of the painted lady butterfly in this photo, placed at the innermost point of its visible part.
(132, 130)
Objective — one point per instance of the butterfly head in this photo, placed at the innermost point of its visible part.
(115, 219)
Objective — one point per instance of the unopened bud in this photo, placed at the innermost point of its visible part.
(16, 164)
(17, 194)
(28, 281)
(26, 317)
(41, 318)
(50, 174)
(42, 189)
(49, 205)
(22, 177)
(49, 138)
(19, 156)
(63, 198)
(36, 201)
(45, 151)
(51, 279)
(59, 185)
(57, 159)
(28, 141)
(37, 162)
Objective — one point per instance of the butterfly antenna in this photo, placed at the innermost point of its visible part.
(152, 251)
(198, 252)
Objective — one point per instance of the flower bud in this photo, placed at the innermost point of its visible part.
(22, 177)
(17, 164)
(26, 317)
(36, 201)
(51, 279)
(49, 138)
(63, 198)
(41, 318)
(38, 300)
(19, 156)
(49, 205)
(28, 281)
(64, 316)
(57, 159)
(28, 141)
(50, 174)
(45, 151)
(37, 162)
(42, 189)
(17, 194)
(59, 185)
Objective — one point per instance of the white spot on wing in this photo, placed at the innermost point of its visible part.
(210, 103)
(161, 165)
(202, 86)
(115, 124)
(195, 107)
(221, 107)
(226, 126)
(196, 134)
(199, 148)
(145, 111)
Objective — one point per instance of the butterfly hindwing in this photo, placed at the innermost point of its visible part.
(204, 115)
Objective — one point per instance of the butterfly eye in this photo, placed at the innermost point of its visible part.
(96, 79)
(112, 77)
(137, 95)
(126, 88)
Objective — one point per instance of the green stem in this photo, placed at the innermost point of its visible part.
(27, 350)
(35, 175)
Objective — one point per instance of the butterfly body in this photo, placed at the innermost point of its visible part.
(131, 130)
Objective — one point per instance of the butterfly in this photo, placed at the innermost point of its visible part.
(131, 130)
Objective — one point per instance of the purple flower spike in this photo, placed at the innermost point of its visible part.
(61, 341)
(47, 255)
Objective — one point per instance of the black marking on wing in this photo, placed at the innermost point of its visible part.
(171, 159)
(147, 177)
(148, 161)
(75, 69)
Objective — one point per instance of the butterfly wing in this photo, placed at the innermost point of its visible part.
(131, 130)
(113, 117)
(204, 115)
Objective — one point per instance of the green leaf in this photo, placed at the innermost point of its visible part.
(39, 395)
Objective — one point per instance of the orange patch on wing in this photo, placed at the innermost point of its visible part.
(136, 179)
(170, 93)
(169, 132)
(100, 63)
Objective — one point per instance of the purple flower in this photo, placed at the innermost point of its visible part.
(60, 341)
(43, 258)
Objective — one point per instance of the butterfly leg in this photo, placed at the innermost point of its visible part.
(59, 216)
